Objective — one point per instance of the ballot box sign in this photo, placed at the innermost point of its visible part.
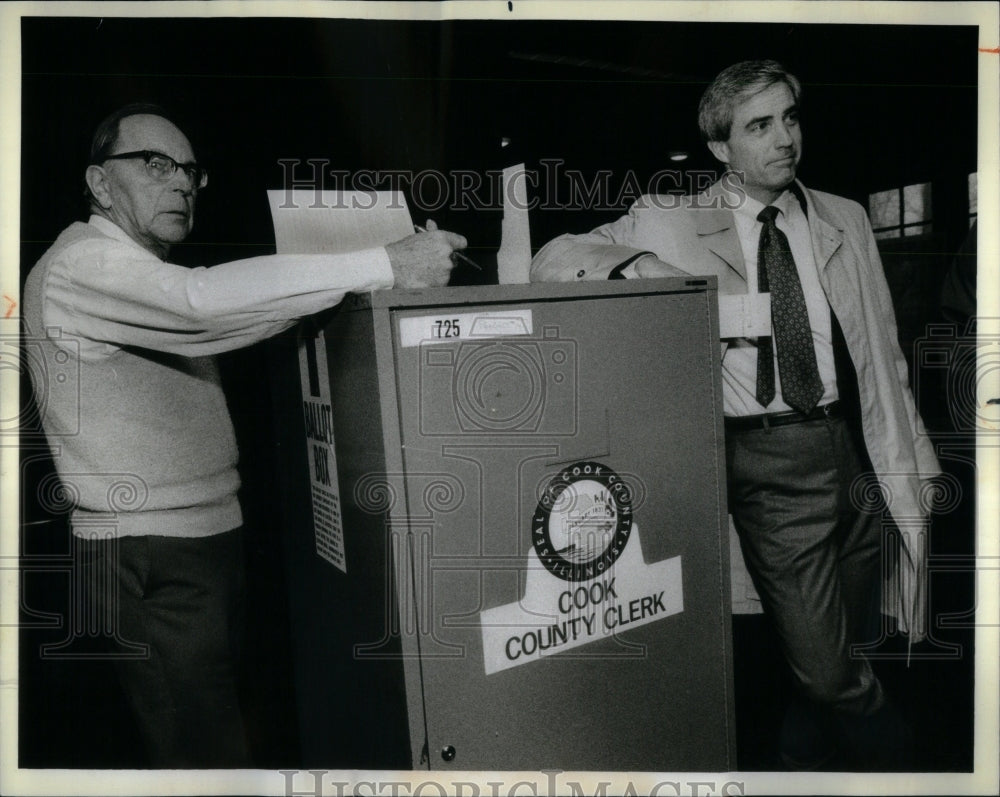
(586, 576)
(317, 411)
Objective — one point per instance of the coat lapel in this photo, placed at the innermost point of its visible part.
(716, 231)
(827, 238)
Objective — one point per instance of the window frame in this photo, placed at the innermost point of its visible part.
(900, 228)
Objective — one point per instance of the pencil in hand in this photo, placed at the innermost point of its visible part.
(456, 253)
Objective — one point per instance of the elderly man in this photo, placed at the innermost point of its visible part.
(167, 568)
(797, 434)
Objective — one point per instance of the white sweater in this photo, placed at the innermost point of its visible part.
(130, 396)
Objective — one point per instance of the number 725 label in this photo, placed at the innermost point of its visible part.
(444, 328)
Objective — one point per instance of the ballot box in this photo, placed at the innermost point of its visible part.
(505, 528)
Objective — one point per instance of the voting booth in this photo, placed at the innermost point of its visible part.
(505, 526)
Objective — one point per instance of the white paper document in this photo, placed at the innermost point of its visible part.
(514, 256)
(309, 222)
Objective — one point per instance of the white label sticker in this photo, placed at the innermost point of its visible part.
(415, 330)
(317, 411)
(557, 615)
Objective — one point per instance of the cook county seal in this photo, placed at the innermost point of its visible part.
(582, 522)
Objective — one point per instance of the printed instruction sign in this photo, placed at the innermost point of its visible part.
(317, 411)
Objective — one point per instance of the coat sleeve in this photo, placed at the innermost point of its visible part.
(114, 295)
(593, 255)
(927, 462)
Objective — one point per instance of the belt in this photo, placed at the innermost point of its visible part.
(741, 423)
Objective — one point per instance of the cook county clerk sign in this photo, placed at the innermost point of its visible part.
(586, 576)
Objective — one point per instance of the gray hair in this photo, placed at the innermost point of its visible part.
(734, 84)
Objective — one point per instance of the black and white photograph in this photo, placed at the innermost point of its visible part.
(499, 398)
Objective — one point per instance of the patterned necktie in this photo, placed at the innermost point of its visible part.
(801, 387)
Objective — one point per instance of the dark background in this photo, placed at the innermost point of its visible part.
(884, 107)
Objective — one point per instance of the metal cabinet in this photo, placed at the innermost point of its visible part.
(506, 531)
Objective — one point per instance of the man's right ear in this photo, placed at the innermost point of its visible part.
(97, 182)
(720, 149)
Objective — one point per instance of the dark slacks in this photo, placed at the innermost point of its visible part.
(814, 557)
(173, 609)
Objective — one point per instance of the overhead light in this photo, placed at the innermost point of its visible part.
(678, 155)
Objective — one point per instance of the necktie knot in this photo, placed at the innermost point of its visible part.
(768, 214)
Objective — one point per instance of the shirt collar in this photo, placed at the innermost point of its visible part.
(796, 190)
(784, 202)
(751, 208)
(112, 230)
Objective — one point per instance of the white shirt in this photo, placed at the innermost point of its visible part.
(739, 363)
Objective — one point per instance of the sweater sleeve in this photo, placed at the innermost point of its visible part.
(114, 295)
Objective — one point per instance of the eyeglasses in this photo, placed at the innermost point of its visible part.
(162, 167)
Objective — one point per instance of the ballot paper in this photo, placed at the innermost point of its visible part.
(310, 221)
(514, 255)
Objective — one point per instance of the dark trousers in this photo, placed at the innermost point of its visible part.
(814, 557)
(173, 610)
